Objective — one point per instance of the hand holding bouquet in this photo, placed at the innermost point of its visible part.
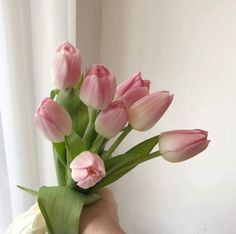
(80, 117)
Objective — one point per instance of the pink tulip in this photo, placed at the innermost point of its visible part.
(87, 169)
(144, 113)
(98, 88)
(66, 68)
(112, 120)
(180, 145)
(132, 90)
(53, 120)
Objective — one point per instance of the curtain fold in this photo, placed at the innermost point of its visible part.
(30, 31)
(18, 103)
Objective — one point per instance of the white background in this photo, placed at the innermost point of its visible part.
(189, 48)
(185, 46)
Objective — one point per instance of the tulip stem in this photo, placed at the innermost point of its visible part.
(93, 117)
(88, 135)
(108, 154)
(100, 140)
(154, 154)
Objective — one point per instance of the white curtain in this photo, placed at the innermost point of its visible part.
(185, 46)
(29, 33)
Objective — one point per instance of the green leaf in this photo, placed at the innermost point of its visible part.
(78, 111)
(111, 178)
(30, 191)
(92, 198)
(61, 208)
(120, 165)
(138, 151)
(54, 93)
(81, 119)
(117, 167)
(146, 146)
(69, 99)
(59, 153)
(76, 145)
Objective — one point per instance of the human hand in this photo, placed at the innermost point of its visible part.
(101, 217)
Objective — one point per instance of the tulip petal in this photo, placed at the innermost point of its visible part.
(186, 153)
(87, 169)
(78, 175)
(98, 88)
(66, 68)
(88, 182)
(60, 70)
(171, 141)
(83, 160)
(53, 120)
(148, 110)
(112, 120)
(49, 130)
(134, 95)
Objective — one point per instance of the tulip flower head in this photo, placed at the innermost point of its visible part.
(132, 90)
(112, 120)
(53, 120)
(180, 145)
(87, 169)
(66, 68)
(98, 88)
(147, 111)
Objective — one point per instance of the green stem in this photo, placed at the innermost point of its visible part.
(93, 117)
(68, 155)
(100, 140)
(108, 154)
(154, 154)
(60, 170)
(88, 135)
(69, 159)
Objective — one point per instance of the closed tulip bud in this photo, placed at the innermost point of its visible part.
(87, 169)
(66, 68)
(112, 120)
(98, 88)
(53, 120)
(180, 145)
(147, 111)
(132, 90)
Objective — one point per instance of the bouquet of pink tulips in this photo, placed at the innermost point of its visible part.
(81, 115)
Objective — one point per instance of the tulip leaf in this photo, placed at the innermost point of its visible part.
(69, 99)
(146, 146)
(81, 119)
(61, 208)
(143, 148)
(120, 165)
(59, 152)
(76, 145)
(30, 191)
(54, 93)
(78, 111)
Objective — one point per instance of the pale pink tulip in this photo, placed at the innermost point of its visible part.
(87, 169)
(180, 145)
(147, 111)
(66, 68)
(112, 120)
(98, 88)
(132, 90)
(53, 120)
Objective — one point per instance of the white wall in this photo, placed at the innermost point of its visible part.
(189, 48)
